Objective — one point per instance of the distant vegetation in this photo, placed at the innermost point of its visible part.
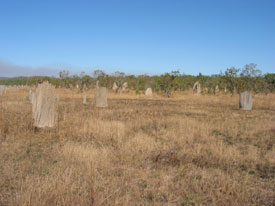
(232, 80)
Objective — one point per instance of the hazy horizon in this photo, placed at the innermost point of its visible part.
(9, 70)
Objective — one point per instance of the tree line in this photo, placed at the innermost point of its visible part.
(232, 80)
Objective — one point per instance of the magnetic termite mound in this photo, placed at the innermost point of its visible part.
(101, 97)
(148, 92)
(44, 106)
(197, 88)
(84, 98)
(115, 87)
(246, 100)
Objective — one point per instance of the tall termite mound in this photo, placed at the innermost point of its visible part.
(44, 105)
(148, 92)
(197, 88)
(246, 101)
(84, 98)
(101, 97)
(115, 87)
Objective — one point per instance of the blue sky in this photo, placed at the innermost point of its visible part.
(136, 37)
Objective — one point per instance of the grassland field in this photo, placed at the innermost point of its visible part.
(185, 150)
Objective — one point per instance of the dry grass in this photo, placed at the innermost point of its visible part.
(188, 150)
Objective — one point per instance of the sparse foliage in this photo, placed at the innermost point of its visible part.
(233, 80)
